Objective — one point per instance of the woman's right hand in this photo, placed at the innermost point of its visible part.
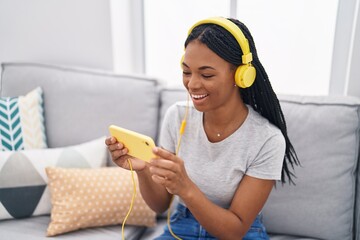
(120, 157)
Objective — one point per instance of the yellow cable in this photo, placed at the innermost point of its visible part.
(181, 131)
(168, 219)
(132, 200)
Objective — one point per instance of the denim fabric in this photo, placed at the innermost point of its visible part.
(186, 227)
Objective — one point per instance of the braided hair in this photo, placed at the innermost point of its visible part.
(260, 95)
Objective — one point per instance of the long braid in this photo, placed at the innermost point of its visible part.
(264, 95)
(260, 95)
(267, 104)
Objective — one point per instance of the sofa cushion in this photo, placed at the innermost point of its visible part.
(83, 198)
(35, 229)
(80, 104)
(23, 181)
(325, 134)
(287, 237)
(169, 96)
(22, 121)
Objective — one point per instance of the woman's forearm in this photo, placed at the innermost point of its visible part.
(219, 222)
(155, 195)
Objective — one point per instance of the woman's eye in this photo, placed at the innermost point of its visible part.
(207, 76)
(186, 73)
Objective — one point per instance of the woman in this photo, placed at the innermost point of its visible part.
(235, 145)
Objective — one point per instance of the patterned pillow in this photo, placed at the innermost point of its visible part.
(22, 122)
(83, 198)
(23, 181)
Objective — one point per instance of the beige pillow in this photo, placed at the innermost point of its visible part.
(83, 198)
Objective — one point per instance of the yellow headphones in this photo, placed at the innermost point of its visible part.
(245, 74)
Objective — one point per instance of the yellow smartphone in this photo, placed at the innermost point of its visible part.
(139, 145)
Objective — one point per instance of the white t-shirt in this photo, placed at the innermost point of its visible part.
(256, 149)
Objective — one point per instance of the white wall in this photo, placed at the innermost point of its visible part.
(353, 85)
(68, 32)
(127, 20)
(345, 74)
(110, 34)
(294, 40)
(166, 30)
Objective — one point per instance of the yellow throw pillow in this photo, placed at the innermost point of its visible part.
(83, 198)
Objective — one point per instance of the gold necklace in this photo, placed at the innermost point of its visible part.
(232, 126)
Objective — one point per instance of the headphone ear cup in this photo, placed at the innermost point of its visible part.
(245, 75)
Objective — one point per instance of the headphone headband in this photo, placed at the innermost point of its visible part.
(245, 74)
(234, 30)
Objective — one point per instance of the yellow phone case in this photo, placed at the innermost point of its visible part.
(139, 145)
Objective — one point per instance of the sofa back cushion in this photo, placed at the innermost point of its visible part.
(80, 104)
(325, 134)
(170, 96)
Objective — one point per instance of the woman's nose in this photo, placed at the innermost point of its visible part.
(194, 81)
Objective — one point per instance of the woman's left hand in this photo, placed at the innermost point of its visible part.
(169, 171)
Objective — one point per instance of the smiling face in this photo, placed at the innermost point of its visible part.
(209, 79)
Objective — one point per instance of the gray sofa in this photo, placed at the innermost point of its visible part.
(80, 104)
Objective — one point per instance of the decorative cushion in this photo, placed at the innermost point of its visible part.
(83, 198)
(22, 122)
(23, 181)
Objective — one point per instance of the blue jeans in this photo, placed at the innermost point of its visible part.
(186, 227)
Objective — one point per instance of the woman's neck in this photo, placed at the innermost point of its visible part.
(220, 124)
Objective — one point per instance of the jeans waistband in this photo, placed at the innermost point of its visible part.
(183, 210)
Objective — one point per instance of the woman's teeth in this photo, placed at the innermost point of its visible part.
(199, 96)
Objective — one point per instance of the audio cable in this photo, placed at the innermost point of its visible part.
(181, 132)
(132, 200)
